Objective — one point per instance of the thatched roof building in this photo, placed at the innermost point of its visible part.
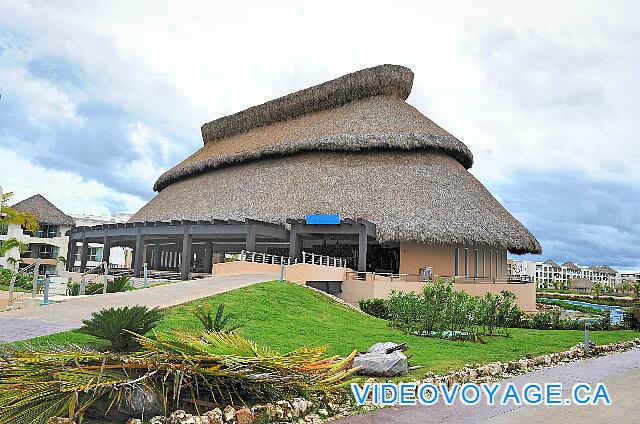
(44, 211)
(351, 146)
(581, 283)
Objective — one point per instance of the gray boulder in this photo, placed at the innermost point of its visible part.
(377, 362)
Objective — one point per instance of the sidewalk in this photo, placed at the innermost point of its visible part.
(620, 372)
(26, 323)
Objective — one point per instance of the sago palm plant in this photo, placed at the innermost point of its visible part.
(117, 325)
(218, 367)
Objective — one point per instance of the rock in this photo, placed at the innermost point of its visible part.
(495, 369)
(59, 420)
(473, 374)
(244, 416)
(300, 406)
(547, 359)
(158, 420)
(313, 419)
(283, 409)
(523, 364)
(229, 413)
(323, 413)
(381, 364)
(215, 416)
(134, 421)
(137, 400)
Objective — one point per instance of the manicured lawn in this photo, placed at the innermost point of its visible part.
(286, 316)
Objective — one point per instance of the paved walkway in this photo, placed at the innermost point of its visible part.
(26, 323)
(619, 372)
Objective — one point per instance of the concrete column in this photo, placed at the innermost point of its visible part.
(71, 254)
(84, 255)
(106, 250)
(208, 256)
(362, 250)
(295, 244)
(138, 255)
(251, 239)
(185, 265)
(157, 253)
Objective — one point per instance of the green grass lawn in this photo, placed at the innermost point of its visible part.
(5, 287)
(286, 316)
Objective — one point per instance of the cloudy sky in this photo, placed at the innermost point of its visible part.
(99, 98)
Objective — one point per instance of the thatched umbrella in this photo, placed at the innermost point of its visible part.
(351, 146)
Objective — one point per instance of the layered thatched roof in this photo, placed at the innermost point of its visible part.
(582, 283)
(351, 146)
(45, 211)
(606, 269)
(551, 263)
(571, 265)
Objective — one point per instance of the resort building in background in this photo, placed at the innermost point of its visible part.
(548, 274)
(630, 277)
(345, 169)
(119, 257)
(48, 244)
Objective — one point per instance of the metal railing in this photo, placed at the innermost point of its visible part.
(312, 258)
(34, 267)
(307, 258)
(105, 273)
(265, 258)
(381, 276)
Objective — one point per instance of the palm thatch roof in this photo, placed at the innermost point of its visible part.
(582, 283)
(45, 211)
(571, 265)
(606, 269)
(551, 263)
(351, 146)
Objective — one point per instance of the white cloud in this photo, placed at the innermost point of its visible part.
(68, 191)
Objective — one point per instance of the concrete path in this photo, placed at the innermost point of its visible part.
(26, 323)
(619, 372)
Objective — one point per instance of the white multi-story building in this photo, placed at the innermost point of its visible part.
(48, 244)
(630, 277)
(549, 274)
(119, 257)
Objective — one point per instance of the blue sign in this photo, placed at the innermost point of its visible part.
(322, 219)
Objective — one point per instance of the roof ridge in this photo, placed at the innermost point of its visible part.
(390, 80)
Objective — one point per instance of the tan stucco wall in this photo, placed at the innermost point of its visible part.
(354, 290)
(239, 267)
(301, 273)
(415, 255)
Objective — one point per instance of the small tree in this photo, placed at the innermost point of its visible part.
(634, 288)
(598, 287)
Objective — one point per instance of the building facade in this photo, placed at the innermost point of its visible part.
(48, 244)
(549, 274)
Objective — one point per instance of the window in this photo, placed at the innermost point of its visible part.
(475, 263)
(456, 262)
(466, 262)
(95, 254)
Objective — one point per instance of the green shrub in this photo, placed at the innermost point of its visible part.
(23, 281)
(114, 325)
(442, 312)
(217, 323)
(120, 283)
(375, 307)
(632, 318)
